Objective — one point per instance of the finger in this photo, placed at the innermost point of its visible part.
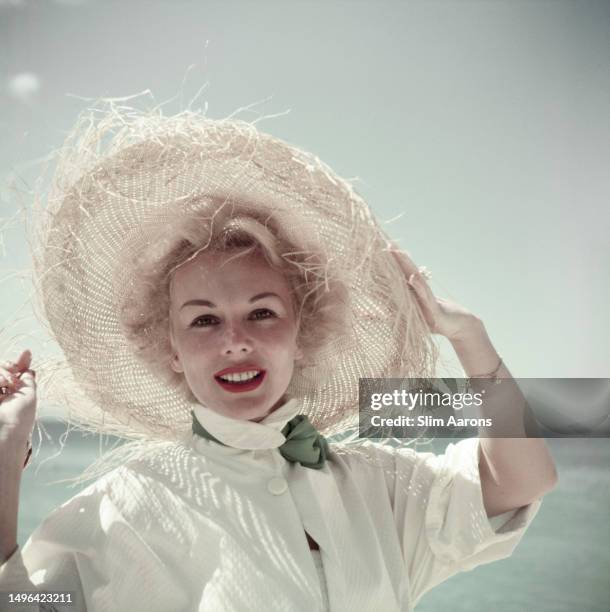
(418, 287)
(425, 310)
(27, 382)
(404, 260)
(418, 280)
(9, 365)
(29, 378)
(406, 263)
(8, 378)
(424, 294)
(23, 362)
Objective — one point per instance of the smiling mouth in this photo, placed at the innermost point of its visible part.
(240, 382)
(242, 385)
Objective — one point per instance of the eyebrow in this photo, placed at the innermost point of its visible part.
(258, 296)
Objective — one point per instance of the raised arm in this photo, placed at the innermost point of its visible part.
(12, 455)
(514, 470)
(17, 414)
(13, 576)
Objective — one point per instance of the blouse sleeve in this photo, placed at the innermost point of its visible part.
(443, 525)
(88, 548)
(53, 568)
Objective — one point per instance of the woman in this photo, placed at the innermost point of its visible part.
(218, 294)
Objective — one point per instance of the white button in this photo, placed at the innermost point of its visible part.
(277, 485)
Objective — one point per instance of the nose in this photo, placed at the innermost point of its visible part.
(235, 341)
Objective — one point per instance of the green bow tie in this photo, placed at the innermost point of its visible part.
(303, 442)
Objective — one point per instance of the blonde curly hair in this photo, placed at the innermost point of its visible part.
(320, 305)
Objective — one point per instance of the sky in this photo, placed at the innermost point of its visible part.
(479, 133)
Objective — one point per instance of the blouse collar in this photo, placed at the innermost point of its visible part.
(243, 435)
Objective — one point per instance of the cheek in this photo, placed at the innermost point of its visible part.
(196, 345)
(280, 336)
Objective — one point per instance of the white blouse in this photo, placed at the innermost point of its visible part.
(198, 526)
(317, 559)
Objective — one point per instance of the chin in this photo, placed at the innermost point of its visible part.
(257, 419)
(246, 413)
(260, 415)
(245, 408)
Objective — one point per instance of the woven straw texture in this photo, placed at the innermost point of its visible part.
(122, 180)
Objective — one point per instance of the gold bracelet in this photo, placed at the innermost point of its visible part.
(493, 375)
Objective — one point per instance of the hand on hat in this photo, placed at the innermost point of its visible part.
(443, 317)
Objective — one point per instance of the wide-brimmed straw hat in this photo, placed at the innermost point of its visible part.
(122, 181)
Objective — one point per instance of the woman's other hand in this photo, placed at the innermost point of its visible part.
(18, 403)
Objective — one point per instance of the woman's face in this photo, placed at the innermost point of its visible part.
(224, 316)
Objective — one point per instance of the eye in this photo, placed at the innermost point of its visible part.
(256, 312)
(265, 310)
(203, 318)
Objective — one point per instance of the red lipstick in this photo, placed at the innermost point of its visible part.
(242, 367)
(241, 387)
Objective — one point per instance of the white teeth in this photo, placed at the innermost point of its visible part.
(240, 377)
